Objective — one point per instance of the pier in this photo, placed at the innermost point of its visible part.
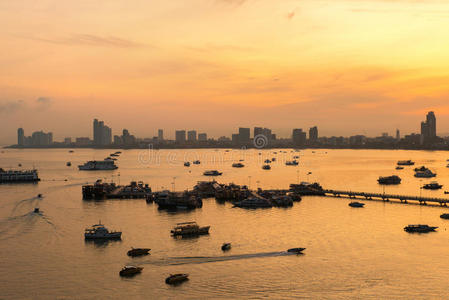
(386, 197)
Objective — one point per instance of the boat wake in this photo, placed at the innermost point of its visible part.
(175, 261)
(18, 225)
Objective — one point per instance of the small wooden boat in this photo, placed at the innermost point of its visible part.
(130, 270)
(138, 252)
(296, 250)
(226, 246)
(176, 278)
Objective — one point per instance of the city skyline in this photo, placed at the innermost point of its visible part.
(213, 63)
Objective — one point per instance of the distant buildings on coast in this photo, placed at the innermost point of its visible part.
(261, 138)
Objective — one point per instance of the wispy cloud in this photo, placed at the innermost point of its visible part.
(8, 106)
(89, 40)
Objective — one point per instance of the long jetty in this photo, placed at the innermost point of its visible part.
(386, 197)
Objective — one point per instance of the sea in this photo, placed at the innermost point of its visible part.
(351, 253)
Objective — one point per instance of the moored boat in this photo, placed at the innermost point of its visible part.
(99, 231)
(405, 162)
(356, 204)
(186, 164)
(444, 216)
(266, 167)
(130, 270)
(432, 186)
(176, 278)
(292, 163)
(138, 252)
(212, 173)
(394, 179)
(238, 165)
(425, 174)
(95, 165)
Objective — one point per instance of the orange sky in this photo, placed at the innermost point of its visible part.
(348, 66)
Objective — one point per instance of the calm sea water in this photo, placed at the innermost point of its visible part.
(351, 253)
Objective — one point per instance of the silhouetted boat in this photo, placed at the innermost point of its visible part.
(130, 270)
(444, 216)
(196, 162)
(238, 165)
(99, 231)
(138, 252)
(356, 204)
(39, 195)
(432, 186)
(296, 250)
(266, 167)
(176, 278)
(189, 228)
(420, 228)
(389, 180)
(267, 161)
(425, 174)
(186, 164)
(212, 173)
(405, 163)
(36, 210)
(226, 246)
(68, 164)
(292, 163)
(399, 168)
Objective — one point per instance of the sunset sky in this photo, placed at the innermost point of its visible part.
(347, 66)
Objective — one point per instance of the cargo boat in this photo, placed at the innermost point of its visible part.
(13, 176)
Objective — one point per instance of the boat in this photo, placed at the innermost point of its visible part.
(176, 278)
(421, 169)
(425, 174)
(68, 164)
(14, 176)
(405, 163)
(95, 165)
(196, 162)
(420, 228)
(71, 151)
(444, 216)
(432, 186)
(399, 168)
(138, 252)
(189, 228)
(19, 165)
(238, 165)
(130, 270)
(446, 192)
(99, 231)
(292, 163)
(296, 250)
(212, 173)
(36, 210)
(266, 167)
(254, 202)
(39, 195)
(273, 159)
(267, 161)
(389, 180)
(186, 164)
(114, 154)
(226, 246)
(356, 204)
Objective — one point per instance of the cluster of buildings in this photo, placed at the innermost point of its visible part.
(261, 137)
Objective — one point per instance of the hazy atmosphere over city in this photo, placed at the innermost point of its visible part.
(349, 67)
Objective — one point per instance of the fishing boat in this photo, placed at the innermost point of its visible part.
(176, 278)
(99, 231)
(189, 228)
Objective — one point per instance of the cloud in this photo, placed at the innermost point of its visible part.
(90, 40)
(44, 102)
(9, 107)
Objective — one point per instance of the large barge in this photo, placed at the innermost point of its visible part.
(14, 176)
(102, 190)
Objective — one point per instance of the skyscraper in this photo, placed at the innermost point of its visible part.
(429, 129)
(102, 133)
(160, 134)
(298, 137)
(313, 135)
(202, 137)
(191, 136)
(180, 136)
(244, 135)
(20, 137)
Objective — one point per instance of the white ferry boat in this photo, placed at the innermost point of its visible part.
(95, 165)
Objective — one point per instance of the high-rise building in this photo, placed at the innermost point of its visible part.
(202, 137)
(67, 140)
(398, 135)
(191, 136)
(180, 136)
(244, 135)
(102, 133)
(160, 134)
(299, 137)
(20, 137)
(429, 129)
(313, 135)
(257, 131)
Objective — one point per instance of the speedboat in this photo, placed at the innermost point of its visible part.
(226, 246)
(212, 173)
(420, 228)
(266, 167)
(68, 164)
(267, 161)
(186, 164)
(138, 252)
(296, 250)
(130, 270)
(432, 186)
(389, 180)
(196, 162)
(39, 195)
(99, 231)
(444, 216)
(36, 210)
(238, 165)
(356, 204)
(176, 278)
